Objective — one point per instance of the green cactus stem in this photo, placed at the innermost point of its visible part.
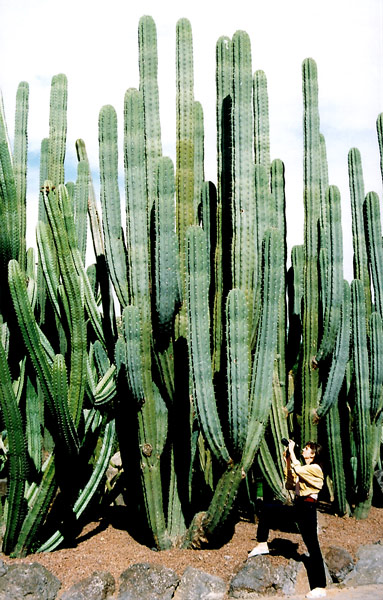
(374, 246)
(359, 242)
(110, 202)
(199, 341)
(17, 456)
(238, 367)
(20, 154)
(66, 431)
(185, 134)
(362, 389)
(57, 129)
(261, 120)
(310, 374)
(148, 67)
(334, 275)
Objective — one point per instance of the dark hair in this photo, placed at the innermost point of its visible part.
(317, 448)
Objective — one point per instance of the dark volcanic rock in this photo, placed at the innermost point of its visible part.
(261, 577)
(339, 563)
(145, 581)
(368, 568)
(99, 586)
(28, 580)
(197, 585)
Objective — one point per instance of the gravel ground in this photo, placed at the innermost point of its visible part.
(105, 545)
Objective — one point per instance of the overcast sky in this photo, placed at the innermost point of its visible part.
(95, 44)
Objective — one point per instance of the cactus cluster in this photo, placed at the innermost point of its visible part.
(189, 344)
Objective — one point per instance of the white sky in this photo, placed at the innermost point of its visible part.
(95, 44)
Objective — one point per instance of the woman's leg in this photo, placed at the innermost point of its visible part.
(271, 514)
(308, 526)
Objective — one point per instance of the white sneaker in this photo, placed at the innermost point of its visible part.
(316, 593)
(261, 548)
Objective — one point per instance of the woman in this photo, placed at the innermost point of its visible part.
(306, 481)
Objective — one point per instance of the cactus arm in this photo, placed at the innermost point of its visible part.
(106, 389)
(323, 184)
(20, 163)
(243, 252)
(57, 129)
(310, 375)
(34, 421)
(110, 202)
(136, 201)
(17, 456)
(204, 525)
(65, 426)
(80, 206)
(75, 262)
(264, 356)
(269, 471)
(362, 389)
(98, 246)
(148, 68)
(9, 232)
(238, 367)
(141, 388)
(224, 88)
(38, 506)
(261, 120)
(74, 296)
(357, 196)
(199, 172)
(185, 135)
(95, 226)
(277, 186)
(334, 281)
(376, 350)
(278, 421)
(374, 246)
(265, 216)
(340, 357)
(47, 264)
(199, 341)
(336, 458)
(166, 278)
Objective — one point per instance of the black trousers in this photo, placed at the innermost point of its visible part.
(304, 514)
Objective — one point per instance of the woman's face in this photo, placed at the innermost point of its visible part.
(308, 454)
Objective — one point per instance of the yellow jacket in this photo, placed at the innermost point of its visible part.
(307, 480)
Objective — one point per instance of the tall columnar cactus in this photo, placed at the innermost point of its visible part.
(362, 406)
(111, 205)
(310, 375)
(148, 63)
(332, 273)
(57, 129)
(261, 120)
(18, 460)
(243, 209)
(20, 164)
(13, 182)
(374, 247)
(185, 133)
(222, 261)
(357, 196)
